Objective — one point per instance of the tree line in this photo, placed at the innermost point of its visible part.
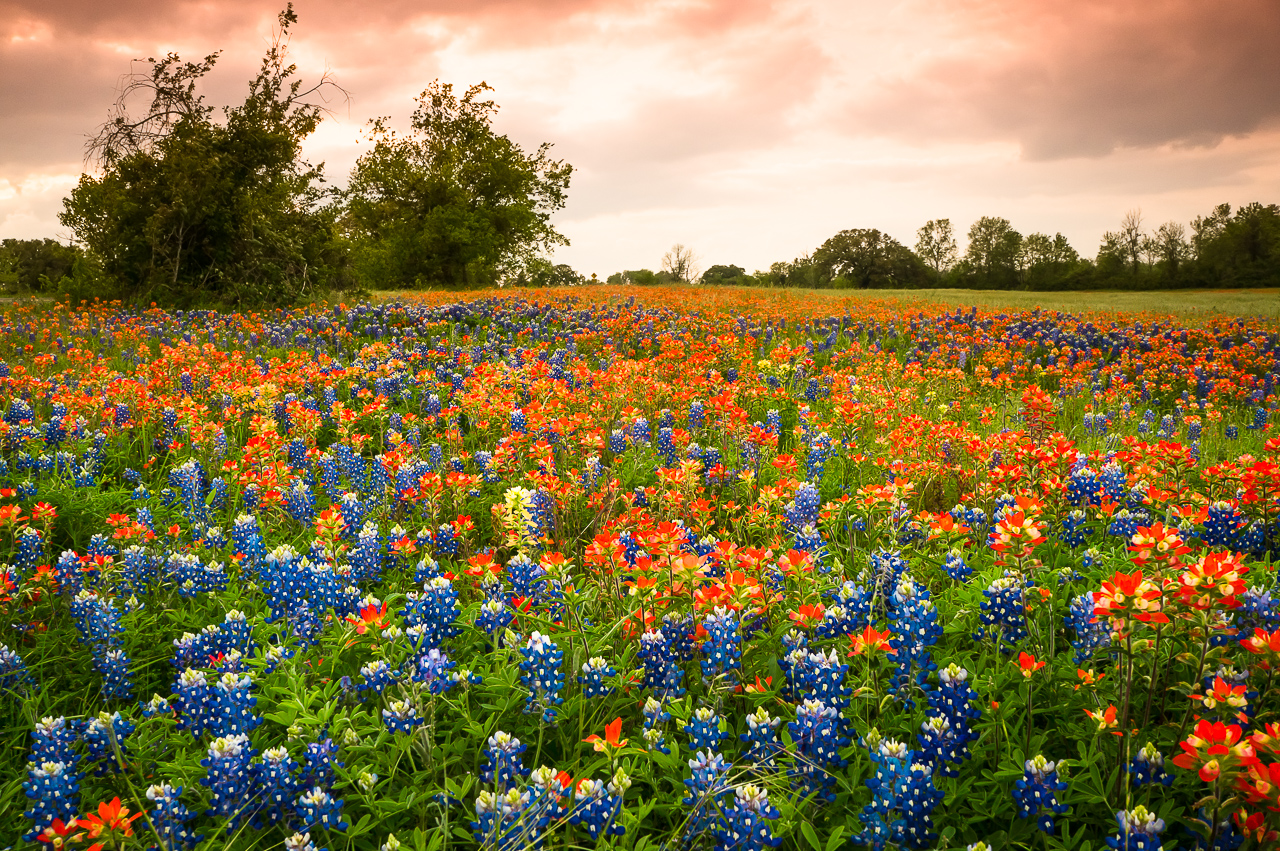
(1225, 249)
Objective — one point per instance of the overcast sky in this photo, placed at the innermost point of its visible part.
(748, 130)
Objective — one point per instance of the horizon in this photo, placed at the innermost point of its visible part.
(748, 131)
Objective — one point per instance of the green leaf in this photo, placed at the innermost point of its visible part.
(810, 835)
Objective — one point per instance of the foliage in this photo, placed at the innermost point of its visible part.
(187, 209)
(452, 203)
(34, 265)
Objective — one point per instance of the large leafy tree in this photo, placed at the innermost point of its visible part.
(187, 206)
(451, 203)
(865, 257)
(993, 255)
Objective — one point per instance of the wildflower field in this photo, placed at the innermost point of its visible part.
(622, 568)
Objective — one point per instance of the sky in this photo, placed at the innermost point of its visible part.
(750, 131)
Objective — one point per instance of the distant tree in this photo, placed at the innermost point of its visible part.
(34, 265)
(936, 245)
(1045, 260)
(681, 263)
(1168, 246)
(992, 257)
(452, 203)
(188, 209)
(1205, 230)
(1130, 239)
(868, 258)
(1240, 249)
(719, 275)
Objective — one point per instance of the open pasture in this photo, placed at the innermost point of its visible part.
(629, 568)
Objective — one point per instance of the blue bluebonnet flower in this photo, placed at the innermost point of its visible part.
(318, 808)
(818, 676)
(169, 817)
(278, 780)
(956, 567)
(541, 674)
(655, 714)
(378, 674)
(1035, 792)
(1140, 830)
(232, 710)
(1003, 616)
(400, 716)
(435, 669)
(15, 677)
(903, 797)
(1147, 766)
(704, 730)
(1073, 532)
(592, 679)
(761, 739)
(53, 788)
(707, 792)
(597, 805)
(231, 779)
(818, 735)
(504, 764)
(1090, 632)
(746, 825)
(102, 735)
(723, 647)
(661, 671)
(320, 760)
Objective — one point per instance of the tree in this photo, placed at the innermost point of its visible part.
(1130, 239)
(34, 265)
(723, 275)
(188, 209)
(1045, 260)
(868, 258)
(992, 256)
(452, 202)
(936, 245)
(681, 263)
(1168, 245)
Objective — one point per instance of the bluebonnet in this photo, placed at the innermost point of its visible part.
(54, 791)
(707, 791)
(1003, 616)
(746, 825)
(510, 820)
(703, 729)
(15, 677)
(761, 739)
(655, 714)
(1073, 531)
(503, 765)
(320, 762)
(1090, 631)
(1139, 828)
(277, 777)
(378, 674)
(232, 705)
(1035, 793)
(956, 567)
(903, 797)
(400, 716)
(169, 817)
(818, 736)
(818, 676)
(495, 616)
(435, 669)
(317, 808)
(723, 647)
(231, 779)
(1147, 766)
(597, 805)
(592, 679)
(102, 735)
(661, 671)
(541, 674)
(916, 630)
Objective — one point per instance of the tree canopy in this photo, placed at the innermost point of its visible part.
(452, 202)
(190, 207)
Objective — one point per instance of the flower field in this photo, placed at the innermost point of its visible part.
(643, 569)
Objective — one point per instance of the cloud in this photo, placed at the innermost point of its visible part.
(1086, 77)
